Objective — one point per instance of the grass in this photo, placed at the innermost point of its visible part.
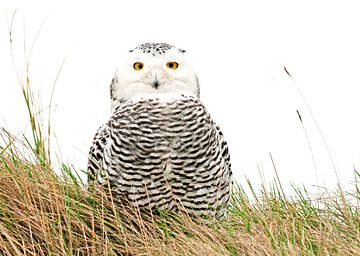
(42, 213)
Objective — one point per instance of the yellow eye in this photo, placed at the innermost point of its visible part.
(172, 65)
(138, 65)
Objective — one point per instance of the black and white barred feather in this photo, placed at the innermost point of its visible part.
(165, 154)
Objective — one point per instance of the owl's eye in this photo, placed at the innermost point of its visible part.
(138, 65)
(172, 65)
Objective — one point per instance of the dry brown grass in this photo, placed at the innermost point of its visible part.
(42, 214)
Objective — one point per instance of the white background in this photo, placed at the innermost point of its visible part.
(238, 48)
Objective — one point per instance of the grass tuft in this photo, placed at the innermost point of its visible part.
(44, 214)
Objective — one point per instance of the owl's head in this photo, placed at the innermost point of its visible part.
(154, 70)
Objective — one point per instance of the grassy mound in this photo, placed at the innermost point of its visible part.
(44, 214)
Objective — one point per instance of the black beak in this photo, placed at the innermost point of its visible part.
(156, 84)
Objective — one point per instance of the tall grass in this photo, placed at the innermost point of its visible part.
(42, 213)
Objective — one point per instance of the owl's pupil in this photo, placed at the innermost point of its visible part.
(171, 65)
(140, 66)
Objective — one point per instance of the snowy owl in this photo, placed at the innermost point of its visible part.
(161, 148)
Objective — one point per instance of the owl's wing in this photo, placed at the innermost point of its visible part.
(96, 154)
(224, 147)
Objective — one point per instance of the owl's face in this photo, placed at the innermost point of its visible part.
(154, 71)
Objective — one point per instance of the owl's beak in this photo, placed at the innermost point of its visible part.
(156, 84)
(155, 76)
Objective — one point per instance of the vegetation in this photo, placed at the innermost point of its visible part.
(44, 214)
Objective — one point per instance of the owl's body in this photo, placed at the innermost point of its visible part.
(163, 150)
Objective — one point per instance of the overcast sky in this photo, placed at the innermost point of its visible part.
(238, 48)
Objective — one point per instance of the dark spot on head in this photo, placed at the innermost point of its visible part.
(155, 48)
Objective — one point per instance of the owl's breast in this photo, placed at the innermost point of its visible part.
(163, 152)
(162, 130)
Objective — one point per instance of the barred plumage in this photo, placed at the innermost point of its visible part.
(163, 152)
